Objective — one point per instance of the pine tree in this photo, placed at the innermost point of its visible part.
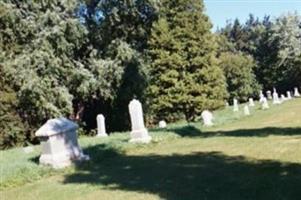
(185, 76)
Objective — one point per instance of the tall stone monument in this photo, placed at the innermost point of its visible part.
(139, 133)
(101, 126)
(235, 105)
(59, 143)
(276, 99)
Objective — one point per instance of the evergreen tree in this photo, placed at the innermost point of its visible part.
(238, 69)
(185, 77)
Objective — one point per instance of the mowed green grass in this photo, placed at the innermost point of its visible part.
(253, 157)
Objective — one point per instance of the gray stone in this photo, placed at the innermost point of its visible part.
(139, 133)
(101, 126)
(59, 143)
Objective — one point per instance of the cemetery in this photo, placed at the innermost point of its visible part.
(150, 99)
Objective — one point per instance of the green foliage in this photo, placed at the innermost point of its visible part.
(185, 77)
(238, 69)
(275, 46)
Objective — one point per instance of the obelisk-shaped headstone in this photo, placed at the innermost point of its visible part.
(276, 99)
(139, 132)
(101, 126)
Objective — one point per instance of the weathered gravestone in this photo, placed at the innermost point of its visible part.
(265, 104)
(283, 98)
(269, 95)
(207, 118)
(162, 124)
(235, 105)
(251, 102)
(246, 110)
(289, 96)
(59, 143)
(296, 92)
(101, 126)
(276, 99)
(139, 132)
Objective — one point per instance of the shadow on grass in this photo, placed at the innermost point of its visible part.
(210, 175)
(192, 131)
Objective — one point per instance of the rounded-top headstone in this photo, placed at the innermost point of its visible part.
(162, 124)
(207, 117)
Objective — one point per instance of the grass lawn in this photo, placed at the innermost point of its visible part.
(254, 157)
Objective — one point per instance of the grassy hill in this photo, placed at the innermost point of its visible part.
(241, 157)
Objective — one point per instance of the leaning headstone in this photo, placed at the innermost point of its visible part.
(276, 99)
(162, 124)
(289, 96)
(207, 118)
(269, 95)
(246, 110)
(235, 105)
(261, 96)
(59, 143)
(251, 102)
(139, 132)
(265, 104)
(101, 126)
(296, 92)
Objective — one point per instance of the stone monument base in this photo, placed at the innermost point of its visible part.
(140, 136)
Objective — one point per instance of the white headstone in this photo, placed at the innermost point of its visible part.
(265, 104)
(261, 96)
(101, 126)
(246, 110)
(276, 99)
(289, 96)
(235, 105)
(59, 143)
(162, 124)
(269, 94)
(296, 92)
(251, 102)
(283, 98)
(207, 118)
(139, 132)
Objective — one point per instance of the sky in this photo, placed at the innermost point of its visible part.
(220, 11)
